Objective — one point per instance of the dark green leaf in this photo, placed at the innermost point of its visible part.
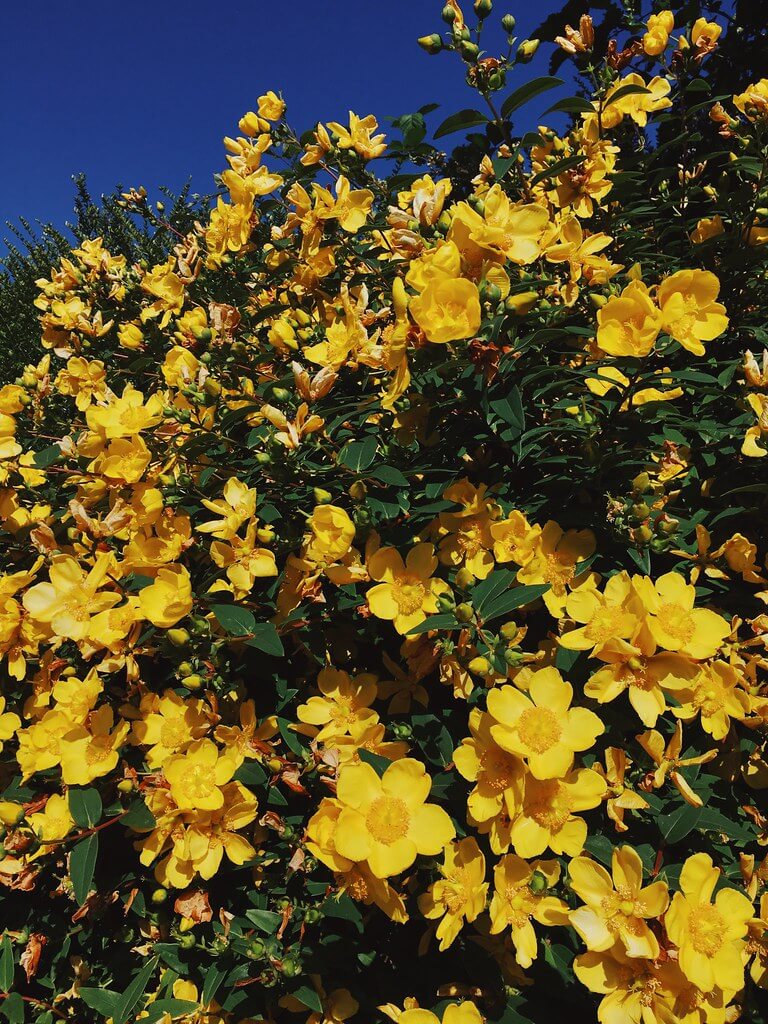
(82, 864)
(6, 964)
(309, 998)
(235, 620)
(527, 92)
(463, 119)
(84, 806)
(265, 639)
(358, 455)
(130, 998)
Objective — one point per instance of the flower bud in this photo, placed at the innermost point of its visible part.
(483, 8)
(508, 23)
(538, 882)
(159, 896)
(11, 813)
(178, 637)
(479, 666)
(464, 578)
(468, 50)
(448, 14)
(431, 44)
(126, 786)
(526, 50)
(464, 612)
(321, 496)
(513, 657)
(446, 602)
(281, 394)
(357, 491)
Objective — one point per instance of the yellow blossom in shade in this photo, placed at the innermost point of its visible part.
(270, 106)
(709, 933)
(236, 507)
(617, 905)
(168, 725)
(213, 836)
(753, 102)
(408, 591)
(90, 751)
(518, 900)
(197, 776)
(514, 539)
(125, 415)
(456, 1013)
(656, 38)
(716, 696)
(621, 798)
(52, 824)
(706, 228)
(10, 723)
(40, 744)
(632, 989)
(130, 336)
(674, 623)
(689, 310)
(459, 895)
(549, 814)
(447, 310)
(755, 444)
(668, 761)
(71, 597)
(498, 777)
(637, 105)
(83, 379)
(344, 701)
(555, 556)
(385, 821)
(169, 598)
(541, 726)
(628, 325)
(704, 34)
(615, 614)
(331, 534)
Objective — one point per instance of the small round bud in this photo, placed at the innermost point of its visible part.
(641, 483)
(538, 882)
(431, 44)
(513, 657)
(464, 611)
(464, 578)
(321, 496)
(281, 394)
(509, 631)
(479, 666)
(357, 491)
(193, 682)
(448, 14)
(11, 813)
(178, 637)
(126, 786)
(469, 51)
(527, 49)
(508, 23)
(159, 896)
(483, 8)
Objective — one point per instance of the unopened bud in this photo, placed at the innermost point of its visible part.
(508, 23)
(448, 14)
(469, 51)
(526, 50)
(483, 8)
(322, 497)
(464, 611)
(479, 666)
(431, 44)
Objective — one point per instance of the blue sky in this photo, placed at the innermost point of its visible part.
(142, 93)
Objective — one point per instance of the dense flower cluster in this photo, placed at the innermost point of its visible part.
(380, 629)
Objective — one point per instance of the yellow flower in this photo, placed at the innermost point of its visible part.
(52, 824)
(541, 726)
(169, 724)
(709, 935)
(459, 895)
(447, 310)
(385, 821)
(548, 818)
(704, 34)
(674, 623)
(197, 776)
(633, 989)
(755, 444)
(621, 798)
(514, 539)
(90, 751)
(617, 907)
(228, 231)
(716, 695)
(345, 702)
(637, 105)
(71, 597)
(408, 591)
(85, 380)
(456, 1013)
(235, 508)
(629, 324)
(753, 102)
(689, 312)
(332, 533)
(10, 723)
(556, 554)
(706, 228)
(643, 677)
(270, 106)
(668, 761)
(169, 598)
(656, 38)
(519, 896)
(359, 136)
(616, 614)
(498, 776)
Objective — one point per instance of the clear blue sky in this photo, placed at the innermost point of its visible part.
(142, 93)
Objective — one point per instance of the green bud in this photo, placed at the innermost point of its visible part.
(448, 14)
(508, 23)
(281, 394)
(187, 941)
(263, 458)
(509, 631)
(641, 483)
(464, 611)
(527, 49)
(483, 8)
(431, 44)
(469, 51)
(321, 496)
(538, 882)
(640, 510)
(446, 603)
(159, 896)
(513, 657)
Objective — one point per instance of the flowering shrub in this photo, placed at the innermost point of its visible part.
(383, 620)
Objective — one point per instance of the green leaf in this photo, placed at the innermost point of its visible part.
(7, 966)
(463, 119)
(389, 475)
(507, 602)
(234, 620)
(557, 168)
(82, 864)
(85, 806)
(571, 105)
(679, 823)
(266, 921)
(102, 1000)
(173, 1007)
(376, 761)
(309, 998)
(130, 998)
(47, 456)
(626, 90)
(265, 639)
(214, 975)
(527, 92)
(139, 817)
(442, 621)
(12, 1008)
(358, 455)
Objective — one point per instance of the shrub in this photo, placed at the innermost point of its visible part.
(383, 624)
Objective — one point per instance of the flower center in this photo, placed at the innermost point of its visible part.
(606, 625)
(388, 819)
(173, 733)
(707, 927)
(408, 594)
(551, 808)
(676, 621)
(198, 782)
(98, 750)
(538, 728)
